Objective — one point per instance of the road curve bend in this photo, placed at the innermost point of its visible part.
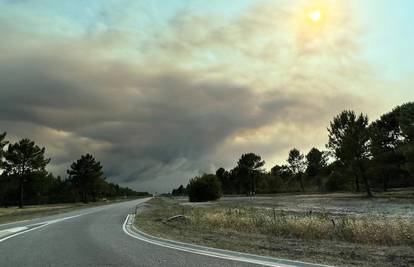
(93, 237)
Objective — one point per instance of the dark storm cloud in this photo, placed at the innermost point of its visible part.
(148, 121)
(153, 119)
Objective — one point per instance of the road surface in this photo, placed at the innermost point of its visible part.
(99, 236)
(90, 237)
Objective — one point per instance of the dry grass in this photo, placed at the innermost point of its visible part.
(357, 229)
(255, 226)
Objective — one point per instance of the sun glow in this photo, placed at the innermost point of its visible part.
(315, 15)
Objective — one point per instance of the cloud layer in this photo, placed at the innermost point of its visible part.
(159, 105)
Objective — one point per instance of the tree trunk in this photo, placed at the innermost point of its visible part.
(21, 192)
(364, 178)
(301, 182)
(357, 183)
(385, 182)
(367, 188)
(253, 185)
(84, 197)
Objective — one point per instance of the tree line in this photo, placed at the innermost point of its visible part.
(359, 156)
(25, 180)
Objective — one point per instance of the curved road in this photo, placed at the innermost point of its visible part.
(90, 237)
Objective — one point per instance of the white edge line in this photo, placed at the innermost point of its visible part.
(16, 222)
(43, 224)
(205, 253)
(22, 232)
(93, 207)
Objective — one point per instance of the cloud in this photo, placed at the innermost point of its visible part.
(160, 107)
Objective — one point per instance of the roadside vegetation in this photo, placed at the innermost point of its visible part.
(359, 157)
(349, 205)
(24, 180)
(331, 234)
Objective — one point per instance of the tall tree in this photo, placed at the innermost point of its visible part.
(316, 162)
(386, 136)
(224, 177)
(3, 144)
(297, 166)
(405, 116)
(249, 165)
(3, 178)
(25, 159)
(86, 175)
(349, 142)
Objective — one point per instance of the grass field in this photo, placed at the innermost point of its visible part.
(341, 229)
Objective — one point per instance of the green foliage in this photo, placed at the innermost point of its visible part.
(380, 154)
(204, 188)
(405, 116)
(24, 160)
(296, 161)
(297, 166)
(385, 134)
(316, 162)
(349, 136)
(22, 166)
(391, 139)
(87, 176)
(3, 144)
(349, 142)
(248, 168)
(180, 191)
(316, 166)
(227, 185)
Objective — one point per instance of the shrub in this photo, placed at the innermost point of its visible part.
(204, 188)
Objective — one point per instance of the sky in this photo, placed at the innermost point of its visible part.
(161, 91)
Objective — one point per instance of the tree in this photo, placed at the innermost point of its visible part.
(3, 178)
(297, 165)
(316, 162)
(282, 171)
(86, 175)
(204, 188)
(386, 136)
(405, 117)
(3, 144)
(227, 185)
(349, 142)
(249, 165)
(25, 159)
(180, 191)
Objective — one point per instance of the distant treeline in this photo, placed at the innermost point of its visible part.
(24, 179)
(359, 156)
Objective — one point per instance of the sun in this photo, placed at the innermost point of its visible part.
(315, 15)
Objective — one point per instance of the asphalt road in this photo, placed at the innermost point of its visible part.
(91, 237)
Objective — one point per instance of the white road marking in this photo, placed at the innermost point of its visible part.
(29, 228)
(15, 229)
(16, 222)
(207, 251)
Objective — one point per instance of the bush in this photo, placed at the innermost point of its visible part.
(204, 188)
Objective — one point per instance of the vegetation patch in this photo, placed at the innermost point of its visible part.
(339, 239)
